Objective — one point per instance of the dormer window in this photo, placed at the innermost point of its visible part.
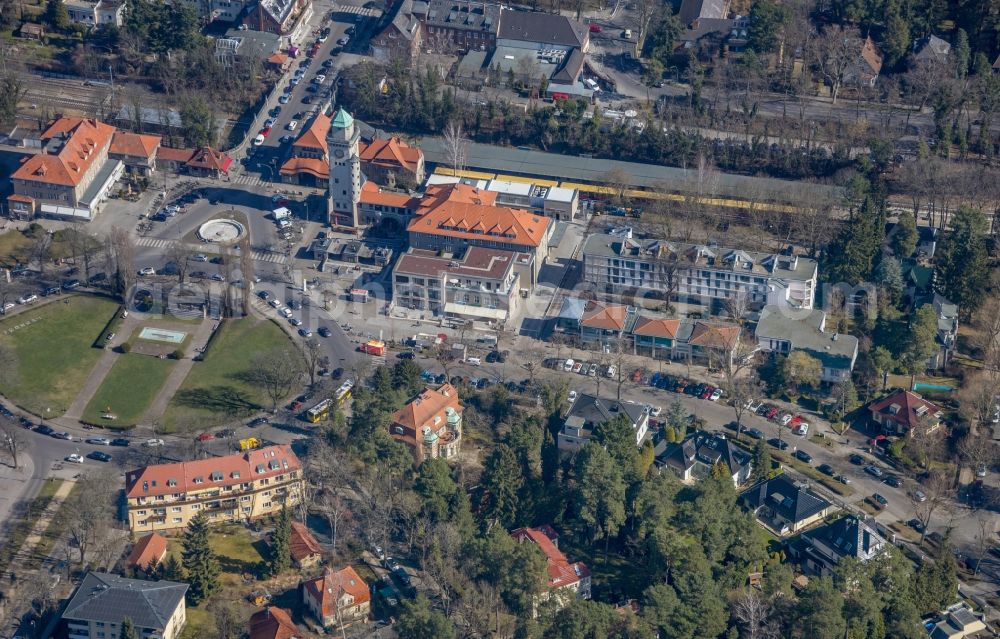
(171, 482)
(199, 480)
(216, 476)
(235, 474)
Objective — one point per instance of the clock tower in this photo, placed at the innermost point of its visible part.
(345, 170)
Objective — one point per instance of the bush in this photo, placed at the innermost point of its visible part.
(177, 354)
(125, 348)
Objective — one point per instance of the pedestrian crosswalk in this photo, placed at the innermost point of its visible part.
(259, 256)
(361, 11)
(249, 179)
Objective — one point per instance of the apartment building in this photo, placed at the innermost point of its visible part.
(453, 216)
(103, 601)
(566, 581)
(588, 411)
(239, 487)
(452, 25)
(781, 330)
(430, 424)
(278, 16)
(478, 284)
(72, 175)
(698, 272)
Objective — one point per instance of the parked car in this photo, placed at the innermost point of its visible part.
(856, 459)
(324, 331)
(42, 429)
(844, 479)
(826, 469)
(257, 421)
(571, 397)
(149, 270)
(153, 442)
(716, 395)
(99, 441)
(74, 458)
(121, 441)
(63, 435)
(205, 437)
(880, 500)
(919, 496)
(916, 525)
(99, 456)
(802, 455)
(892, 480)
(755, 433)
(874, 471)
(780, 444)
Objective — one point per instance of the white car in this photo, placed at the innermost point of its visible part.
(292, 125)
(287, 312)
(27, 299)
(275, 303)
(282, 100)
(76, 459)
(785, 419)
(657, 410)
(611, 371)
(319, 79)
(149, 270)
(153, 443)
(8, 306)
(100, 441)
(257, 141)
(568, 366)
(572, 397)
(716, 394)
(200, 257)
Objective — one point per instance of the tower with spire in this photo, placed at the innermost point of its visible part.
(345, 170)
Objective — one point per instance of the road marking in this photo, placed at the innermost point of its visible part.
(260, 256)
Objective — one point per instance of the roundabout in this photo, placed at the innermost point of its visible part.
(221, 231)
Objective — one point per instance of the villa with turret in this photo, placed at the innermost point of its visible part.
(430, 424)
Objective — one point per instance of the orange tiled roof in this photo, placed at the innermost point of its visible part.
(230, 470)
(714, 335)
(84, 140)
(391, 152)
(372, 193)
(20, 198)
(905, 408)
(147, 552)
(134, 144)
(313, 166)
(301, 543)
(610, 317)
(463, 211)
(167, 153)
(315, 136)
(273, 623)
(278, 58)
(332, 584)
(425, 408)
(656, 327)
(208, 158)
(561, 572)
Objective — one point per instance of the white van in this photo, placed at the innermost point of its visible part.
(591, 84)
(473, 361)
(627, 34)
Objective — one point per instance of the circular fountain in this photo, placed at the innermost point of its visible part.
(222, 231)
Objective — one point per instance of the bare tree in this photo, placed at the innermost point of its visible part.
(121, 256)
(277, 372)
(978, 397)
(178, 253)
(246, 266)
(986, 536)
(88, 511)
(737, 305)
(937, 492)
(13, 441)
(313, 352)
(754, 614)
(834, 51)
(456, 146)
(742, 390)
(978, 450)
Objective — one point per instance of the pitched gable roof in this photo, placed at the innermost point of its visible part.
(793, 502)
(906, 409)
(872, 56)
(110, 599)
(707, 448)
(611, 317)
(334, 584)
(561, 572)
(715, 335)
(546, 28)
(134, 144)
(302, 544)
(428, 408)
(391, 152)
(210, 159)
(147, 552)
(315, 136)
(273, 623)
(656, 327)
(82, 141)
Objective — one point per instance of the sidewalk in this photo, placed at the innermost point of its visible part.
(177, 376)
(16, 482)
(99, 372)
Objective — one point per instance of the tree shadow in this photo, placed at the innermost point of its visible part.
(219, 399)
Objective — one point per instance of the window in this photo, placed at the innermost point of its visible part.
(245, 498)
(267, 504)
(177, 520)
(176, 509)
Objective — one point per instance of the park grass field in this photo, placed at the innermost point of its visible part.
(215, 390)
(128, 389)
(53, 345)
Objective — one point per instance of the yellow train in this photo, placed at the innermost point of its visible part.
(600, 191)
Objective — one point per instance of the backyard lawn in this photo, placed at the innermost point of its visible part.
(215, 390)
(53, 347)
(128, 389)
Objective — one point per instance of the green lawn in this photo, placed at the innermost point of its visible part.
(128, 389)
(200, 624)
(237, 551)
(53, 347)
(215, 388)
(25, 523)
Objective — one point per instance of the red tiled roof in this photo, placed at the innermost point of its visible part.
(463, 211)
(147, 552)
(313, 166)
(315, 136)
(426, 409)
(20, 198)
(372, 193)
(332, 584)
(134, 144)
(302, 544)
(278, 58)
(905, 408)
(392, 152)
(83, 142)
(208, 158)
(273, 623)
(561, 572)
(657, 327)
(169, 154)
(231, 470)
(610, 317)
(713, 335)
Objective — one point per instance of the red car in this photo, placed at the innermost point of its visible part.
(771, 412)
(795, 421)
(705, 394)
(595, 28)
(266, 131)
(204, 437)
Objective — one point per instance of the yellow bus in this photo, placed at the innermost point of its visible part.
(319, 412)
(343, 393)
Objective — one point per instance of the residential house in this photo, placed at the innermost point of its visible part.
(710, 343)
(337, 597)
(785, 506)
(73, 174)
(711, 38)
(239, 487)
(692, 10)
(147, 552)
(566, 581)
(137, 151)
(452, 216)
(783, 330)
(278, 16)
(93, 14)
(931, 49)
(207, 162)
(819, 551)
(588, 411)
(303, 547)
(533, 45)
(430, 424)
(905, 413)
(958, 622)
(392, 162)
(273, 623)
(655, 337)
(103, 601)
(596, 323)
(694, 458)
(865, 69)
(172, 160)
(451, 25)
(308, 165)
(947, 331)
(477, 284)
(35, 31)
(402, 37)
(698, 273)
